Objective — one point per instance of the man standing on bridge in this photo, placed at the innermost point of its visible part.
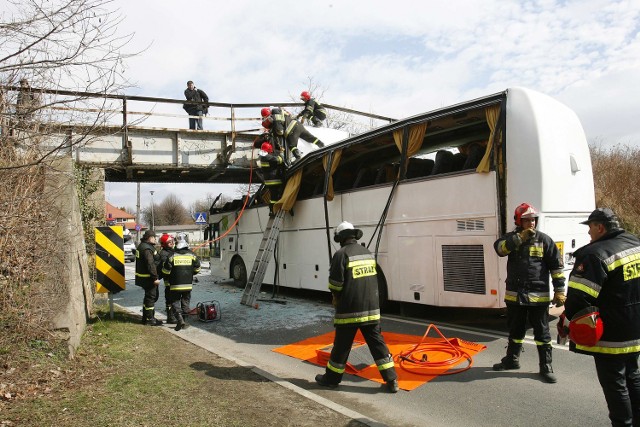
(194, 96)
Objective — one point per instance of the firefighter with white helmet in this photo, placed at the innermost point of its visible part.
(180, 268)
(532, 257)
(603, 304)
(353, 281)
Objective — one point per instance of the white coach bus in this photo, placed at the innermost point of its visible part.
(431, 193)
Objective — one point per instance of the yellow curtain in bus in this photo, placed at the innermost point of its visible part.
(337, 155)
(290, 194)
(492, 114)
(416, 136)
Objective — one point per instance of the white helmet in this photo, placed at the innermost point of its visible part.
(346, 229)
(344, 225)
(181, 241)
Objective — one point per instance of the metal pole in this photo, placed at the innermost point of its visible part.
(153, 222)
(138, 214)
(111, 305)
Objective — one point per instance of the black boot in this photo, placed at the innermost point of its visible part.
(180, 323)
(512, 359)
(171, 319)
(152, 321)
(546, 370)
(324, 382)
(320, 144)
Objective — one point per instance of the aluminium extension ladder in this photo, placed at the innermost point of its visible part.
(267, 246)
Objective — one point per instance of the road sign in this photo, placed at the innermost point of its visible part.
(109, 259)
(138, 227)
(201, 217)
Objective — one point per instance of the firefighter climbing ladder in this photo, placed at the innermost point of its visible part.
(267, 246)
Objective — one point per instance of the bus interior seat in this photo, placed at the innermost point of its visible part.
(387, 173)
(476, 152)
(419, 167)
(444, 162)
(364, 178)
(459, 160)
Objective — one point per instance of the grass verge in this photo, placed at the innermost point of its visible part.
(127, 374)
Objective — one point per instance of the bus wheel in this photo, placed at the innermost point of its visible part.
(238, 272)
(383, 296)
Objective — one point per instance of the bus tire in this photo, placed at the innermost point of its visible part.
(383, 295)
(238, 272)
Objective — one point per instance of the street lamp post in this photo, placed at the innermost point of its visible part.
(153, 223)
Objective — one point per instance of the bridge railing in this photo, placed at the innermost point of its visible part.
(101, 109)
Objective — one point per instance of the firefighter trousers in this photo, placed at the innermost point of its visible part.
(538, 317)
(149, 301)
(342, 347)
(619, 376)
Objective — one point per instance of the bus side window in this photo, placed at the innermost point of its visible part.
(419, 167)
(365, 178)
(476, 152)
(459, 160)
(444, 162)
(344, 180)
(387, 173)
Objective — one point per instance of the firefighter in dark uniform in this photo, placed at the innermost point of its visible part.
(272, 169)
(313, 111)
(147, 276)
(353, 282)
(180, 268)
(166, 243)
(606, 274)
(290, 130)
(532, 255)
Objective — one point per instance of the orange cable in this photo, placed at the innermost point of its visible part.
(416, 360)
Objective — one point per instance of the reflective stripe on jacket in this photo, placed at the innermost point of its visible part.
(353, 279)
(180, 268)
(529, 265)
(606, 274)
(146, 258)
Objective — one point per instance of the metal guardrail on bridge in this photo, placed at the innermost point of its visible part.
(142, 138)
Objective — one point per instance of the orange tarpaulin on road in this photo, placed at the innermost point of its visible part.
(316, 349)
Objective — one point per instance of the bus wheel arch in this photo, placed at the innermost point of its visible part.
(238, 271)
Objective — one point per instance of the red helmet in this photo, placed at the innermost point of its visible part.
(586, 327)
(305, 96)
(525, 210)
(165, 239)
(265, 112)
(267, 147)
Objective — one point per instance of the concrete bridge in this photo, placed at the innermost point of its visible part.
(142, 139)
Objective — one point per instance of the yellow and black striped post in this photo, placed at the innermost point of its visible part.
(109, 259)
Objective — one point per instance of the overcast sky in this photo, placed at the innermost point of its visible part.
(394, 58)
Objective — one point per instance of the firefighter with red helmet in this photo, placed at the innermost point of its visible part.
(167, 244)
(313, 111)
(532, 257)
(180, 268)
(272, 170)
(290, 130)
(606, 276)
